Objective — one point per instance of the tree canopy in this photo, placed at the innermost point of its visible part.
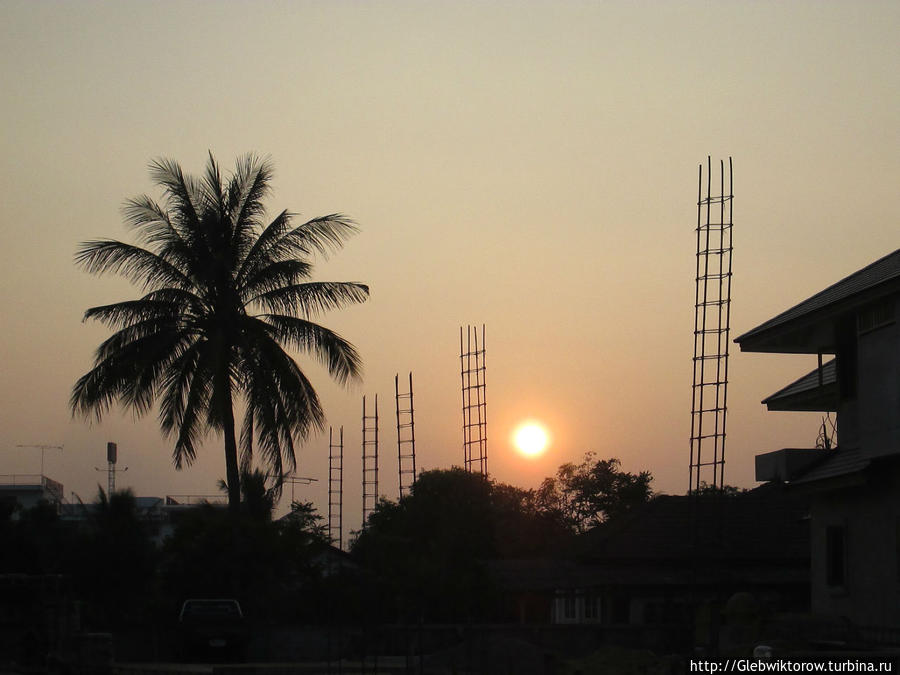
(225, 295)
(430, 547)
(591, 493)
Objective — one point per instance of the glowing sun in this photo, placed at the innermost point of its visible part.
(531, 438)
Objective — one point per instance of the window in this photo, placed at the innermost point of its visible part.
(835, 556)
(591, 607)
(847, 359)
(897, 545)
(621, 610)
(569, 605)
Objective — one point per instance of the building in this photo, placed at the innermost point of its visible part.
(853, 485)
(23, 491)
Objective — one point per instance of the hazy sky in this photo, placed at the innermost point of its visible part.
(527, 165)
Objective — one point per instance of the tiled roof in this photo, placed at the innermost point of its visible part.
(806, 393)
(879, 272)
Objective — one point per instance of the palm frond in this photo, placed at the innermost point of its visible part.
(258, 254)
(281, 404)
(275, 275)
(186, 391)
(249, 185)
(126, 370)
(333, 351)
(312, 298)
(212, 187)
(193, 425)
(171, 304)
(140, 266)
(325, 234)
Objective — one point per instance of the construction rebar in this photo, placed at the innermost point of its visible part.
(712, 316)
(370, 460)
(406, 436)
(474, 400)
(336, 488)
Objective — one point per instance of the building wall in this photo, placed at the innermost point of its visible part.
(879, 375)
(869, 518)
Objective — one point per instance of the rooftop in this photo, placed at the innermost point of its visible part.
(815, 392)
(807, 328)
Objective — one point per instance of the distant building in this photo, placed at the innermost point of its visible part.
(26, 490)
(854, 488)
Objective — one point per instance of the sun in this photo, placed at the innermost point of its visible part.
(531, 438)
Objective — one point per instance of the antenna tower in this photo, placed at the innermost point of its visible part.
(712, 316)
(112, 455)
(336, 488)
(370, 460)
(293, 480)
(42, 448)
(406, 436)
(474, 403)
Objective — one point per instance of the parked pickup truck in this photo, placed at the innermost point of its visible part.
(212, 629)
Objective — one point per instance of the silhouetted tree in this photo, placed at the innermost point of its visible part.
(225, 294)
(591, 493)
(37, 542)
(116, 561)
(430, 548)
(257, 499)
(726, 490)
(306, 522)
(266, 564)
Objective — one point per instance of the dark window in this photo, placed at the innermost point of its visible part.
(835, 556)
(847, 360)
(897, 545)
(620, 613)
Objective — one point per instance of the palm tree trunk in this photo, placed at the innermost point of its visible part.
(231, 465)
(232, 473)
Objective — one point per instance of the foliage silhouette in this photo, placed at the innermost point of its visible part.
(224, 296)
(430, 548)
(115, 560)
(268, 565)
(591, 493)
(257, 500)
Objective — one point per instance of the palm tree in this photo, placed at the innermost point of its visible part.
(224, 296)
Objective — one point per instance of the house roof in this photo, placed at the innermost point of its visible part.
(809, 392)
(837, 463)
(808, 326)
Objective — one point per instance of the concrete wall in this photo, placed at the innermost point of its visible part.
(870, 515)
(879, 389)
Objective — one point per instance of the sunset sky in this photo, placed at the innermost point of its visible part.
(527, 165)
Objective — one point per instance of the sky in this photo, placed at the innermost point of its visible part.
(529, 166)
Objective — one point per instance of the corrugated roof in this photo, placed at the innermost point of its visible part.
(807, 392)
(879, 272)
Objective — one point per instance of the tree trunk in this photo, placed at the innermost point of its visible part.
(232, 473)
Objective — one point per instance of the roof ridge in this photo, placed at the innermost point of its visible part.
(788, 313)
